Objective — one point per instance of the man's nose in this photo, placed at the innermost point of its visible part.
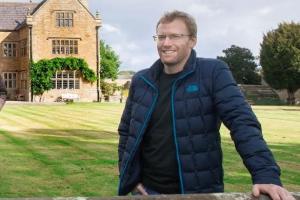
(167, 41)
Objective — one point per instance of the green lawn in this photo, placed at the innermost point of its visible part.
(71, 150)
(281, 129)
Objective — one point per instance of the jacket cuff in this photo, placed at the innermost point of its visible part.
(267, 180)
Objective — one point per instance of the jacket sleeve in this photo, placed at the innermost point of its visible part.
(244, 127)
(3, 93)
(124, 125)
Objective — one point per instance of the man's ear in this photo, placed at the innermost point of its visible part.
(193, 42)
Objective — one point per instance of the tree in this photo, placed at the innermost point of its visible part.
(109, 62)
(280, 58)
(108, 89)
(242, 64)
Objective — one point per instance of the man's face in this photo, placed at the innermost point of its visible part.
(175, 48)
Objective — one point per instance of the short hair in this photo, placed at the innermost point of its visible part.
(185, 17)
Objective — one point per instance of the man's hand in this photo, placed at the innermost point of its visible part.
(139, 188)
(274, 191)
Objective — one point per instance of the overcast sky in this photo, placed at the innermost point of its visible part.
(128, 25)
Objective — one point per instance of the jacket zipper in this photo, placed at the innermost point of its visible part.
(140, 133)
(174, 130)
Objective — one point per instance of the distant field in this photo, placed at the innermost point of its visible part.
(71, 150)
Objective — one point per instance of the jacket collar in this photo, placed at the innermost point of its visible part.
(157, 68)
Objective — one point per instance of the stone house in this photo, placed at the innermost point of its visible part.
(45, 30)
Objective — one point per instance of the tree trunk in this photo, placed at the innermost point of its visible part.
(291, 97)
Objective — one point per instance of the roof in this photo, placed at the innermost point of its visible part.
(12, 15)
(125, 76)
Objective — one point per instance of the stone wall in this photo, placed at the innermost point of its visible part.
(283, 95)
(9, 64)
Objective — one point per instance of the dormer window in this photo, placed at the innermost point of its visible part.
(64, 19)
(9, 49)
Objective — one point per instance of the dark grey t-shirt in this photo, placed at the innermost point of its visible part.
(160, 170)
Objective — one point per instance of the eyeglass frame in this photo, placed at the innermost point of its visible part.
(172, 37)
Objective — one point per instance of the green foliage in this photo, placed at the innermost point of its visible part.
(242, 65)
(43, 70)
(280, 58)
(109, 62)
(108, 89)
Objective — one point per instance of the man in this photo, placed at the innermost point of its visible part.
(3, 94)
(169, 130)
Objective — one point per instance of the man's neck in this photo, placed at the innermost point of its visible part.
(172, 69)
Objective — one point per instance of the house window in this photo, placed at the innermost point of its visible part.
(66, 80)
(23, 48)
(64, 46)
(23, 80)
(64, 19)
(9, 49)
(10, 80)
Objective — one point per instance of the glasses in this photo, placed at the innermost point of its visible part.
(172, 37)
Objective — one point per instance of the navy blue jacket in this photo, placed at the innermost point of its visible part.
(203, 96)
